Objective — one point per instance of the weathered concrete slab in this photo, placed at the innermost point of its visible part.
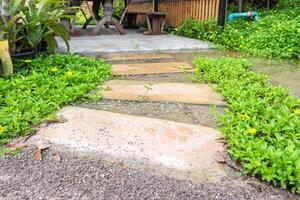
(150, 68)
(184, 147)
(136, 56)
(133, 41)
(161, 91)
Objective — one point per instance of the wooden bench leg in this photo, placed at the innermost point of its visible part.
(118, 26)
(87, 22)
(149, 26)
(98, 26)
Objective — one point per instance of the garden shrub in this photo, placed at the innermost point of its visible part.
(275, 35)
(43, 85)
(261, 122)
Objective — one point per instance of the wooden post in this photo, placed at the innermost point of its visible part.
(222, 13)
(155, 5)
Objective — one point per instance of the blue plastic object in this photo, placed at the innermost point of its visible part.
(253, 15)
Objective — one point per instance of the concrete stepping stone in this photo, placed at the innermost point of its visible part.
(150, 68)
(154, 142)
(137, 56)
(161, 91)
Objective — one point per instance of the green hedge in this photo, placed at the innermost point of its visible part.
(261, 122)
(275, 35)
(40, 87)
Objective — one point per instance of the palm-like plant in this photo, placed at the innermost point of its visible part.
(34, 22)
(28, 23)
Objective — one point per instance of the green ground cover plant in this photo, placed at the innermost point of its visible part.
(40, 87)
(276, 34)
(261, 122)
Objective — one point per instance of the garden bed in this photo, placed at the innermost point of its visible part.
(261, 123)
(40, 87)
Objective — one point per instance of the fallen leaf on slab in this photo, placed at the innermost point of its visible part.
(221, 140)
(56, 157)
(38, 154)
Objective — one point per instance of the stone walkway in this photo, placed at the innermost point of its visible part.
(181, 149)
(153, 136)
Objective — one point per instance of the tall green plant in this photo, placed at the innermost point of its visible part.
(34, 22)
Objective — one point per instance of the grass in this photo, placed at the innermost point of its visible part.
(261, 123)
(40, 87)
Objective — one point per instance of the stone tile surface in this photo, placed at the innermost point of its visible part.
(154, 142)
(136, 56)
(161, 91)
(133, 41)
(150, 68)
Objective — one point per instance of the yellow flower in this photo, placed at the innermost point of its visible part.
(241, 46)
(69, 73)
(53, 69)
(27, 61)
(252, 131)
(244, 117)
(297, 111)
(1, 129)
(242, 37)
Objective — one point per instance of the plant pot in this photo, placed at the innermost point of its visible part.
(24, 55)
(43, 47)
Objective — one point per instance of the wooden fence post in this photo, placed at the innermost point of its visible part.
(222, 13)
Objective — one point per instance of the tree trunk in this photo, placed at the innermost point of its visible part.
(240, 5)
(5, 59)
(5, 10)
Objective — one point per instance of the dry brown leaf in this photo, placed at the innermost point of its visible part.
(56, 157)
(38, 154)
(221, 140)
(16, 145)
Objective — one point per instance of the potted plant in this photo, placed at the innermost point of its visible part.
(30, 26)
(33, 25)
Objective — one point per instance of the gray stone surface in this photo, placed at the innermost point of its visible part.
(181, 149)
(110, 41)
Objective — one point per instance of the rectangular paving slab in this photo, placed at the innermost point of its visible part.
(150, 68)
(155, 142)
(161, 91)
(136, 56)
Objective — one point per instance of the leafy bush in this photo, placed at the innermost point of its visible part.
(275, 35)
(261, 122)
(41, 87)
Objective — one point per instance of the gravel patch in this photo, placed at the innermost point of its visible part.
(81, 177)
(179, 112)
(168, 77)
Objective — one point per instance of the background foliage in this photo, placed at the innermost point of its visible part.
(275, 35)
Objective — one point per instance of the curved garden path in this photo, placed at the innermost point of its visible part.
(153, 136)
